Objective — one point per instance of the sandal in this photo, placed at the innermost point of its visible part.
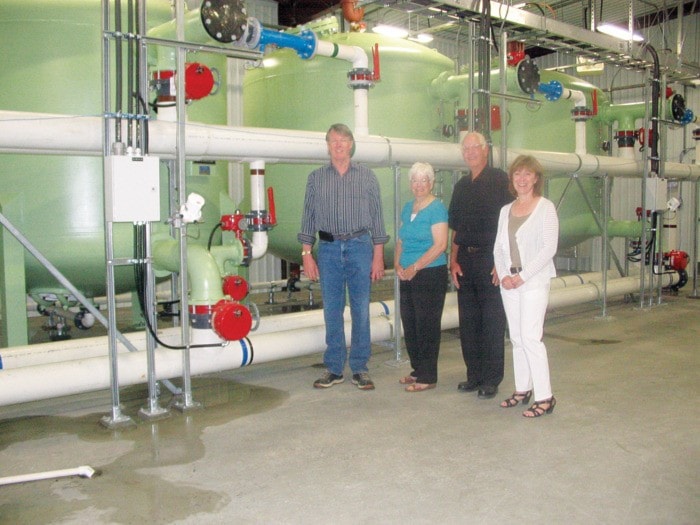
(537, 410)
(408, 380)
(420, 387)
(517, 397)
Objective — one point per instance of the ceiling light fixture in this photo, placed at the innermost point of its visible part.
(387, 30)
(619, 32)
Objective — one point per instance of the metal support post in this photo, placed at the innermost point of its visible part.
(398, 359)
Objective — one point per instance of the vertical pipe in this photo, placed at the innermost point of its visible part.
(645, 175)
(130, 78)
(153, 410)
(361, 97)
(186, 402)
(116, 418)
(503, 71)
(694, 248)
(118, 61)
(397, 291)
(605, 263)
(659, 256)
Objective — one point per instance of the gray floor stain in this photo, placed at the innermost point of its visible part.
(123, 492)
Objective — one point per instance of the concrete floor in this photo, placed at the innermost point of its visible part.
(622, 446)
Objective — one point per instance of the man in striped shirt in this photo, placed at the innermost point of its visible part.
(343, 206)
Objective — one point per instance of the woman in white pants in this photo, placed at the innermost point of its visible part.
(528, 231)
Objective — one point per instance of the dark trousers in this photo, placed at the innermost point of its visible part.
(482, 320)
(422, 301)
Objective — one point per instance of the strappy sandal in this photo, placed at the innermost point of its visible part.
(420, 387)
(537, 410)
(516, 398)
(408, 380)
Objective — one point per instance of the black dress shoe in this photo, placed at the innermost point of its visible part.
(467, 386)
(487, 392)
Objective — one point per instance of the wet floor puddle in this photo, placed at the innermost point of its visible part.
(123, 492)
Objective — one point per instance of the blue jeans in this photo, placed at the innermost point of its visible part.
(346, 265)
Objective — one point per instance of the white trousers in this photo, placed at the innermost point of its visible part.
(525, 311)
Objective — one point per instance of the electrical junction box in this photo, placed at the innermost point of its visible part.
(657, 194)
(132, 188)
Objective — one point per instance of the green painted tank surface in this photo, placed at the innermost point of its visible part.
(417, 97)
(288, 92)
(52, 63)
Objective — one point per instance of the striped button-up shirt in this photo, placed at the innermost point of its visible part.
(342, 204)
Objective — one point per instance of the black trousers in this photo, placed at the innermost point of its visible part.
(482, 320)
(422, 301)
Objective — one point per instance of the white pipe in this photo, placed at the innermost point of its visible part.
(259, 240)
(580, 130)
(626, 152)
(576, 96)
(353, 54)
(579, 100)
(30, 355)
(45, 353)
(31, 383)
(358, 58)
(83, 471)
(40, 133)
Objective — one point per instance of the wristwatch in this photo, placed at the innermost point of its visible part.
(305, 252)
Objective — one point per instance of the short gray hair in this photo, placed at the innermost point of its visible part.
(421, 169)
(479, 137)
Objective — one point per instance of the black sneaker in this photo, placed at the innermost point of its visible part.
(362, 381)
(328, 379)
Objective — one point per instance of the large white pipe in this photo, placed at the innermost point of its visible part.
(37, 354)
(259, 240)
(40, 133)
(358, 58)
(31, 383)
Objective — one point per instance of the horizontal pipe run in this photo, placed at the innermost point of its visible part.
(32, 383)
(40, 133)
(84, 348)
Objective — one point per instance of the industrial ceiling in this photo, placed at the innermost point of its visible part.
(558, 26)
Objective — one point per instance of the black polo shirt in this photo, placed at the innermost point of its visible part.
(475, 207)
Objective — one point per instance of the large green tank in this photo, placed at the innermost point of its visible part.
(288, 92)
(52, 63)
(418, 97)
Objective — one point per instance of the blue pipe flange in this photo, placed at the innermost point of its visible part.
(551, 90)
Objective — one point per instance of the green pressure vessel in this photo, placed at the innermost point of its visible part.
(419, 96)
(52, 63)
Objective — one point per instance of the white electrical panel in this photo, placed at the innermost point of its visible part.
(657, 193)
(132, 188)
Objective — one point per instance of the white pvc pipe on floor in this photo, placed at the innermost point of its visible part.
(83, 472)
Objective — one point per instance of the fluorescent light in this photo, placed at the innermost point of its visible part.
(422, 38)
(394, 31)
(619, 32)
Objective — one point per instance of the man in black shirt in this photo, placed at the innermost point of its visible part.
(473, 216)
